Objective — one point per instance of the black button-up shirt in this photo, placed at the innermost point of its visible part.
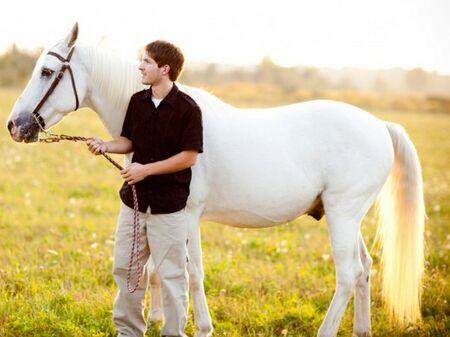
(158, 133)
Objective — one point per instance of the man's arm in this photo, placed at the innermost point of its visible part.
(120, 145)
(136, 172)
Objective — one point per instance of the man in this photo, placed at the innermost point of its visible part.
(163, 127)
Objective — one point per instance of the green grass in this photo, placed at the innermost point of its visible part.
(59, 206)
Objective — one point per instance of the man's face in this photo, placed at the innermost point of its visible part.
(150, 72)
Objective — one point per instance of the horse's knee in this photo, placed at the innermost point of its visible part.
(196, 280)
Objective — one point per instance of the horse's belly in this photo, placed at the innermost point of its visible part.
(253, 189)
(257, 210)
(247, 218)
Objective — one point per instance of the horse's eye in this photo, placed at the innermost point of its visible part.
(46, 72)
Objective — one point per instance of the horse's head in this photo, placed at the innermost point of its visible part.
(57, 86)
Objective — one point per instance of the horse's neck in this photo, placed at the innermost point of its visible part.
(112, 81)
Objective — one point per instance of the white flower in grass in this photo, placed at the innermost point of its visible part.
(51, 251)
(325, 257)
(282, 249)
(27, 198)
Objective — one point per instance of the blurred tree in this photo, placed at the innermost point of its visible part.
(380, 85)
(16, 66)
(416, 80)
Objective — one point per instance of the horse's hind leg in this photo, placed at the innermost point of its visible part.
(344, 243)
(361, 325)
(344, 214)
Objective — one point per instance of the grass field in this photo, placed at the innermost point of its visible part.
(58, 211)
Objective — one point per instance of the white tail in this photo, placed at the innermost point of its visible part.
(401, 224)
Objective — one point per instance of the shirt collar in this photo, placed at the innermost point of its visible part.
(170, 97)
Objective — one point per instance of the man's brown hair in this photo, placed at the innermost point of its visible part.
(163, 53)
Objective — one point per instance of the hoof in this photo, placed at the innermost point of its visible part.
(361, 334)
(203, 333)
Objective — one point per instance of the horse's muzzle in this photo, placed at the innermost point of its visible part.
(23, 129)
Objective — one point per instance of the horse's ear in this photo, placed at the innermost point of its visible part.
(71, 38)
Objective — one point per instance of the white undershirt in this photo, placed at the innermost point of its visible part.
(156, 101)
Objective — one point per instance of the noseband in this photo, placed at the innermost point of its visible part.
(66, 65)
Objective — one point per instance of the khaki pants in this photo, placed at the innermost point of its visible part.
(165, 235)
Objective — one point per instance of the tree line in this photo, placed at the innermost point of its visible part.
(289, 83)
(16, 66)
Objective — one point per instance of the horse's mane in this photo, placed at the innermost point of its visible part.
(204, 99)
(116, 77)
(119, 78)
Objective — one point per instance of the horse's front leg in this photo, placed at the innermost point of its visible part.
(202, 318)
(155, 313)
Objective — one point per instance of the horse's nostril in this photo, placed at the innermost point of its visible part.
(10, 125)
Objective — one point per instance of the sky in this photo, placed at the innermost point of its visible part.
(322, 33)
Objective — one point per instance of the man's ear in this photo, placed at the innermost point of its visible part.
(166, 69)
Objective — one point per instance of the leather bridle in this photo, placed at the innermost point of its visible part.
(65, 66)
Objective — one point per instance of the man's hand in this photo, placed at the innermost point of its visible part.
(96, 146)
(134, 173)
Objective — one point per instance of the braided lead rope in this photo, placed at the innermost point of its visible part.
(135, 246)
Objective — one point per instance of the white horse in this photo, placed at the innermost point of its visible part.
(265, 167)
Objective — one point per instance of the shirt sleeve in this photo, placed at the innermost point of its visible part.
(126, 127)
(192, 134)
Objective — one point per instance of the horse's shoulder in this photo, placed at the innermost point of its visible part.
(187, 99)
